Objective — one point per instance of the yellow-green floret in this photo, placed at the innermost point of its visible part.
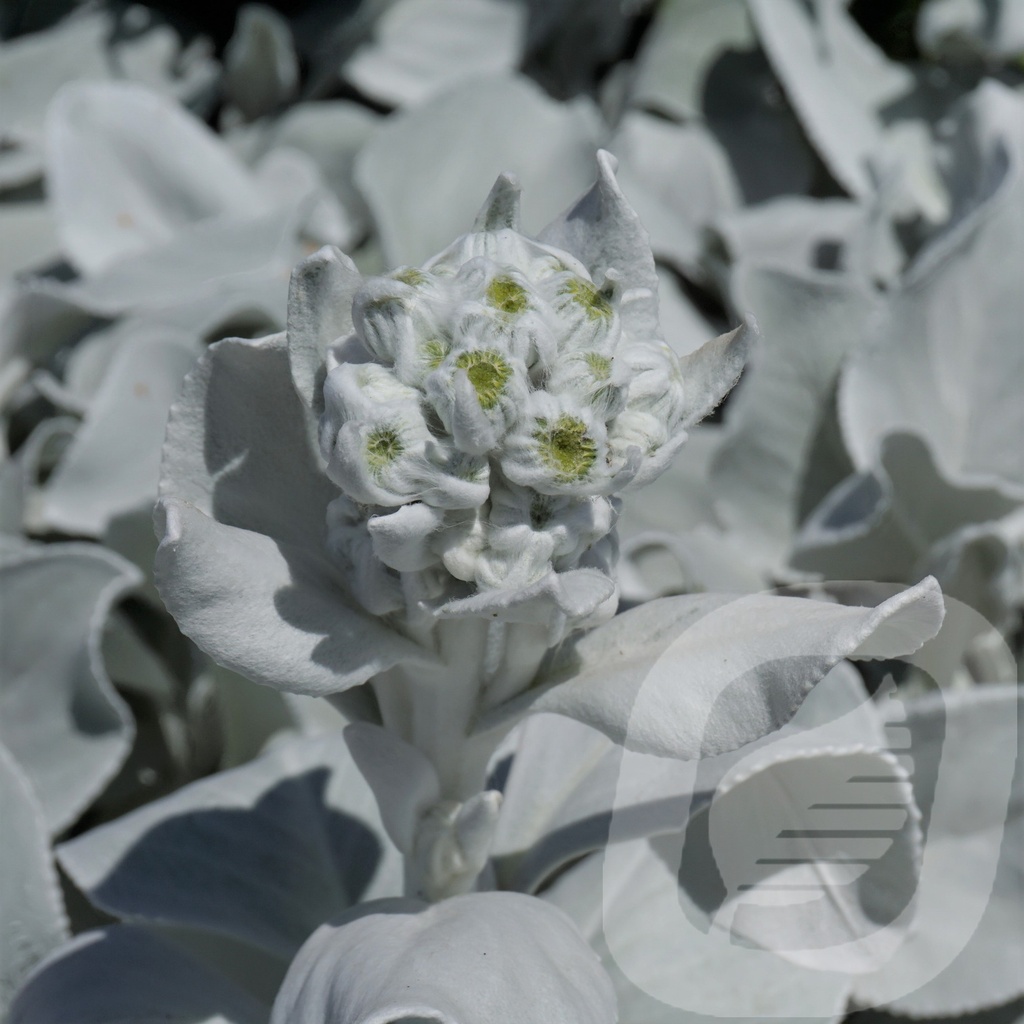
(594, 304)
(566, 447)
(507, 296)
(383, 446)
(488, 372)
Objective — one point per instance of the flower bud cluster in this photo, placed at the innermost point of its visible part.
(499, 409)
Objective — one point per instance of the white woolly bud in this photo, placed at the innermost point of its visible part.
(586, 313)
(379, 449)
(478, 393)
(559, 447)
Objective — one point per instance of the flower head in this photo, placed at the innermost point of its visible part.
(501, 405)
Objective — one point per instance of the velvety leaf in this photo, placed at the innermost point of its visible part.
(128, 169)
(32, 920)
(681, 497)
(89, 360)
(61, 719)
(37, 320)
(207, 275)
(678, 180)
(663, 564)
(684, 327)
(962, 951)
(129, 974)
(690, 677)
(711, 371)
(420, 48)
(30, 239)
(808, 325)
(568, 780)
(553, 759)
(466, 138)
(112, 464)
(21, 474)
(835, 78)
(263, 853)
(667, 963)
(747, 113)
(134, 664)
(946, 352)
(670, 538)
(603, 231)
(900, 522)
(798, 235)
(33, 67)
(254, 970)
(238, 424)
(272, 611)
(983, 565)
(838, 824)
(252, 716)
(677, 54)
(403, 780)
(499, 957)
(155, 55)
(244, 566)
(330, 132)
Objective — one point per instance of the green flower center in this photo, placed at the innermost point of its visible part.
(585, 295)
(488, 373)
(566, 447)
(383, 446)
(507, 296)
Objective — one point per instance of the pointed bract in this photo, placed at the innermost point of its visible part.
(501, 207)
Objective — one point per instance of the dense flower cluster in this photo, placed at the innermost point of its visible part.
(484, 416)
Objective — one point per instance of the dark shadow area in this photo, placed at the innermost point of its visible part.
(747, 112)
(1008, 1013)
(20, 16)
(248, 871)
(148, 773)
(890, 25)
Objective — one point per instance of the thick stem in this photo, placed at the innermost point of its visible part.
(483, 663)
